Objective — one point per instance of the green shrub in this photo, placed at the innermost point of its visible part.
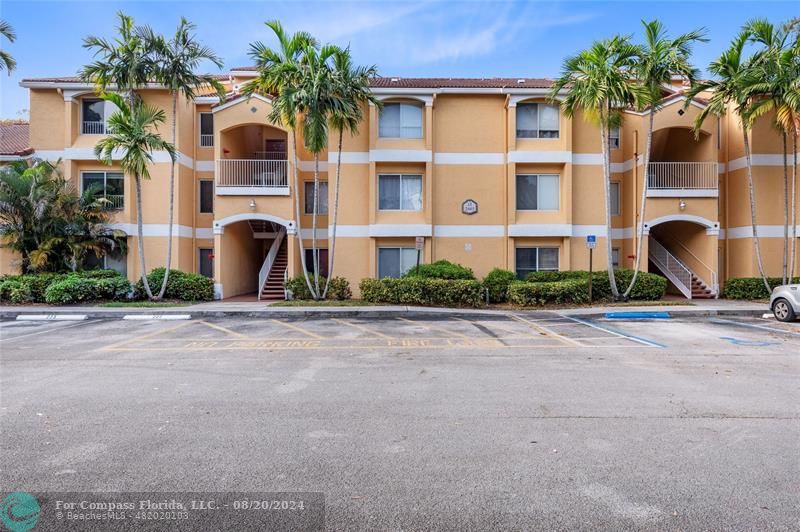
(114, 288)
(339, 289)
(569, 291)
(15, 291)
(441, 269)
(750, 287)
(71, 289)
(180, 285)
(423, 291)
(497, 282)
(99, 274)
(649, 286)
(298, 287)
(549, 277)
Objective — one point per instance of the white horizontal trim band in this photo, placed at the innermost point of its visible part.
(469, 158)
(161, 230)
(467, 231)
(765, 231)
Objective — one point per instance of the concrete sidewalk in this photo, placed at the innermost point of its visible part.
(717, 307)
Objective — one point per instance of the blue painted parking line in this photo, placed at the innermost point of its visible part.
(621, 334)
(638, 315)
(749, 343)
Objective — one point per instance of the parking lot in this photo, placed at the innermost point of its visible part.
(535, 420)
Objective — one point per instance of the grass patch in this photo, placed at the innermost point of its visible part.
(144, 304)
(325, 303)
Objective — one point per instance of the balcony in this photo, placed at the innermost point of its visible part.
(89, 127)
(252, 177)
(682, 179)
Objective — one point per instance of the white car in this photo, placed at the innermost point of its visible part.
(785, 302)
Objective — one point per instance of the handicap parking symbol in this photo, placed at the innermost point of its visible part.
(748, 343)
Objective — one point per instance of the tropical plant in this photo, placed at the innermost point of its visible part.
(132, 131)
(599, 81)
(351, 83)
(661, 58)
(733, 85)
(51, 226)
(777, 66)
(279, 75)
(6, 61)
(176, 60)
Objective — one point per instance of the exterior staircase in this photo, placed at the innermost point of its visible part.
(273, 287)
(674, 269)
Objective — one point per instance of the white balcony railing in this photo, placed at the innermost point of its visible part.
(689, 175)
(93, 128)
(252, 176)
(270, 155)
(206, 141)
(116, 201)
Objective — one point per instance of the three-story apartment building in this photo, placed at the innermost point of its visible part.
(488, 172)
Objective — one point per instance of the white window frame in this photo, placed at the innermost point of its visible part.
(200, 134)
(200, 195)
(108, 109)
(401, 248)
(614, 145)
(537, 248)
(305, 196)
(618, 184)
(403, 176)
(419, 107)
(538, 192)
(538, 121)
(105, 184)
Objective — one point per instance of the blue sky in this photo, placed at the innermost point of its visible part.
(409, 38)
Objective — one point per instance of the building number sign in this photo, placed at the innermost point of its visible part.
(469, 206)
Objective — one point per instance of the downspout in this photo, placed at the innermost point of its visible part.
(433, 170)
(195, 186)
(505, 184)
(727, 195)
(636, 214)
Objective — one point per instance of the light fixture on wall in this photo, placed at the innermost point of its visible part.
(682, 205)
(253, 203)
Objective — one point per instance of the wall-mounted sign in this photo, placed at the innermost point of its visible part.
(419, 243)
(469, 206)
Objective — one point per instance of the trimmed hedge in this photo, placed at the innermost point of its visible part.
(33, 288)
(338, 290)
(648, 287)
(180, 285)
(497, 282)
(549, 277)
(569, 291)
(751, 287)
(441, 269)
(423, 291)
(71, 290)
(15, 291)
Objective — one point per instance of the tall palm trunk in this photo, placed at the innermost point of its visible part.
(297, 212)
(794, 205)
(607, 186)
(171, 197)
(140, 231)
(315, 249)
(785, 211)
(640, 228)
(751, 190)
(332, 236)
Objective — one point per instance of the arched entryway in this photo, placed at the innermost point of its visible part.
(683, 248)
(251, 256)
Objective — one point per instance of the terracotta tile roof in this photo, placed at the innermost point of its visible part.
(76, 79)
(461, 83)
(14, 138)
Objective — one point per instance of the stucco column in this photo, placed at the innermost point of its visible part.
(292, 253)
(644, 264)
(219, 233)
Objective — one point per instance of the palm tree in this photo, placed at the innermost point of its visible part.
(599, 81)
(733, 86)
(352, 86)
(279, 76)
(661, 59)
(778, 66)
(176, 62)
(131, 131)
(6, 61)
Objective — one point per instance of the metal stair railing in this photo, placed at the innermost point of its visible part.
(263, 273)
(675, 270)
(712, 274)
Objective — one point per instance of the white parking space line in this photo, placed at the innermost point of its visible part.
(753, 326)
(549, 332)
(362, 328)
(432, 327)
(619, 334)
(48, 330)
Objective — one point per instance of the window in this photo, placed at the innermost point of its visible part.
(613, 138)
(109, 261)
(93, 121)
(109, 185)
(206, 196)
(537, 192)
(322, 207)
(537, 121)
(536, 260)
(394, 262)
(615, 198)
(615, 257)
(323, 261)
(206, 130)
(400, 120)
(206, 262)
(399, 192)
